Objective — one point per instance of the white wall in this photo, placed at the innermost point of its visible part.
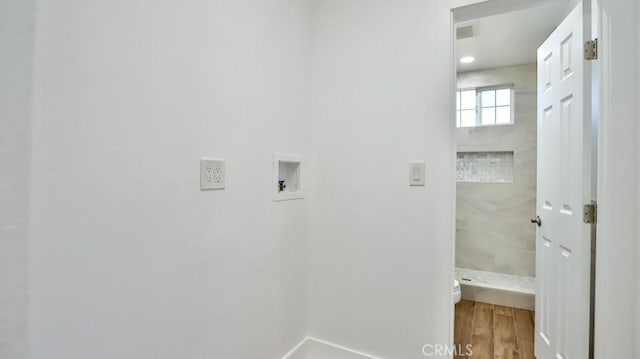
(129, 259)
(636, 267)
(617, 272)
(381, 252)
(16, 55)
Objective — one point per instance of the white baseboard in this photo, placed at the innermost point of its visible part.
(314, 348)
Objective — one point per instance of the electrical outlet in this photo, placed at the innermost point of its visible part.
(212, 174)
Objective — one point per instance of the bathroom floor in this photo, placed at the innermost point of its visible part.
(496, 332)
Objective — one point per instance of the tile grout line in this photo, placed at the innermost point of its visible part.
(493, 331)
(515, 328)
(473, 323)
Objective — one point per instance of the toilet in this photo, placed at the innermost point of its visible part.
(457, 293)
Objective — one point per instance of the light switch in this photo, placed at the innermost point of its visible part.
(416, 173)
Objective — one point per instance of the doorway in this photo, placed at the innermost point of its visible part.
(500, 246)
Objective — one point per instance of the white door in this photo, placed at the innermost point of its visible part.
(564, 186)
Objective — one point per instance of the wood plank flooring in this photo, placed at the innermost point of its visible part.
(494, 331)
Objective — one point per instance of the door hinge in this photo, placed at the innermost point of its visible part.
(590, 213)
(591, 50)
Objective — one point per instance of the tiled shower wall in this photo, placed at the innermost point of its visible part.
(493, 231)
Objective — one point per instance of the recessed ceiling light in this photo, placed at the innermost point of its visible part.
(467, 60)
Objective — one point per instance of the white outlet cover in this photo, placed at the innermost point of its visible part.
(416, 173)
(212, 174)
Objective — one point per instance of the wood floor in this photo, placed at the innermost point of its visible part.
(495, 332)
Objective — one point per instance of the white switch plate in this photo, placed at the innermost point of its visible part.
(212, 174)
(416, 173)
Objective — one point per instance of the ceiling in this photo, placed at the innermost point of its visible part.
(509, 39)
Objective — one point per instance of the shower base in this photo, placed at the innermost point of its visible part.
(497, 288)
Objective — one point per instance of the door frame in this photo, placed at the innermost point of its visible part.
(600, 105)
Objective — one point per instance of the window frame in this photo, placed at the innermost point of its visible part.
(460, 110)
(479, 107)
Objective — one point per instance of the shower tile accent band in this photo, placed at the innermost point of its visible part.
(489, 167)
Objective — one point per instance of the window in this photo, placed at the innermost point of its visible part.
(466, 108)
(484, 106)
